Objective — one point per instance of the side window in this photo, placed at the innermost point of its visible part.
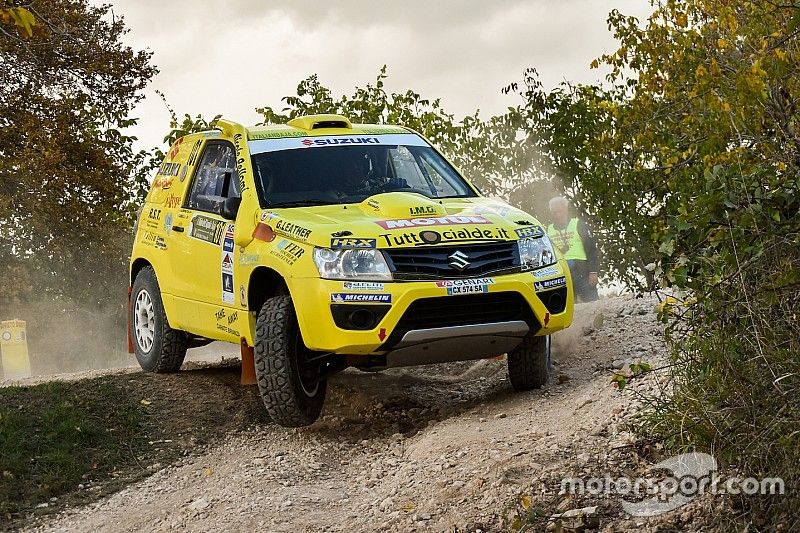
(215, 178)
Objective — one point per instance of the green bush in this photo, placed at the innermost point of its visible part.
(692, 154)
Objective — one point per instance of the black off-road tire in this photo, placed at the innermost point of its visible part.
(168, 347)
(530, 364)
(278, 346)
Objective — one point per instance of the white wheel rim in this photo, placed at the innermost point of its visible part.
(144, 321)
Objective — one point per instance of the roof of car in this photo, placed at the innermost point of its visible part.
(284, 130)
(312, 125)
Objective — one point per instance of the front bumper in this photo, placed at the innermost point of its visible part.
(401, 324)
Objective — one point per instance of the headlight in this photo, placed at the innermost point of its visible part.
(536, 252)
(355, 264)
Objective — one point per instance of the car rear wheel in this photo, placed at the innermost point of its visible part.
(158, 347)
(289, 379)
(530, 363)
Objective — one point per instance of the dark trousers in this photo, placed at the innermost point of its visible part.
(580, 281)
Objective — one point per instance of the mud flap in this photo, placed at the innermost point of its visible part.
(128, 320)
(248, 364)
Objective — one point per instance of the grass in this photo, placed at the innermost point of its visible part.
(55, 436)
(109, 431)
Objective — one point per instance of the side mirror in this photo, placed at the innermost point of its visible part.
(230, 208)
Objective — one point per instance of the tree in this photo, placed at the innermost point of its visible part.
(562, 145)
(20, 18)
(699, 155)
(68, 174)
(490, 152)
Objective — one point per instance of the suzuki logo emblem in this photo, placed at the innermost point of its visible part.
(458, 260)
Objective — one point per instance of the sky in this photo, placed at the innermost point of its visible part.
(232, 56)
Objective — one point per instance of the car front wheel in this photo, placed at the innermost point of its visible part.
(289, 379)
(530, 364)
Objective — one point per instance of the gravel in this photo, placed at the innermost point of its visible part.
(439, 448)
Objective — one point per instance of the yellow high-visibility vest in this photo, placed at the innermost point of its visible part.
(569, 237)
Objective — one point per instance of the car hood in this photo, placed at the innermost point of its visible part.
(398, 219)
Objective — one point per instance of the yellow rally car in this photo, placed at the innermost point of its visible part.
(325, 244)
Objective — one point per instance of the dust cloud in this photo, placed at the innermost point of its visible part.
(587, 317)
(64, 338)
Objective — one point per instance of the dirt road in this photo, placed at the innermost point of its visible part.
(425, 449)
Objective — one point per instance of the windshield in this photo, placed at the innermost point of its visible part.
(348, 169)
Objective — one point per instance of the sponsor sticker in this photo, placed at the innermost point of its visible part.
(226, 266)
(362, 286)
(227, 262)
(249, 259)
(227, 288)
(173, 151)
(172, 201)
(156, 241)
(153, 218)
(280, 134)
(549, 284)
(352, 242)
(309, 143)
(261, 143)
(345, 297)
(492, 209)
(546, 272)
(169, 169)
(193, 155)
(227, 329)
(433, 221)
(168, 223)
(207, 229)
(292, 230)
(430, 236)
(238, 145)
(288, 251)
(464, 282)
(422, 210)
(226, 322)
(530, 231)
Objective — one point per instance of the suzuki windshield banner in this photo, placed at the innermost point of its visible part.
(367, 139)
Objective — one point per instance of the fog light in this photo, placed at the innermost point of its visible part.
(361, 319)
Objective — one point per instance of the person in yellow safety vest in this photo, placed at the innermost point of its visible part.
(575, 240)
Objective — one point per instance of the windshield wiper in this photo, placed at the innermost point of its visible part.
(302, 203)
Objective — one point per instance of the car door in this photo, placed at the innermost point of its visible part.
(203, 243)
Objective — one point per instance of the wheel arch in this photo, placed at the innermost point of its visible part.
(137, 266)
(264, 283)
